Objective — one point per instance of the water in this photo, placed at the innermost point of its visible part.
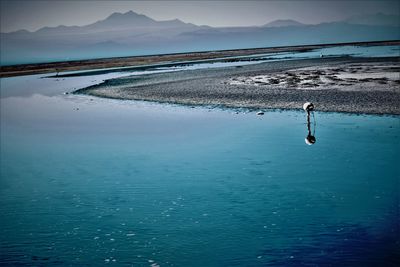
(91, 182)
(338, 51)
(334, 51)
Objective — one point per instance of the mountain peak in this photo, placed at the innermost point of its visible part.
(283, 23)
(130, 13)
(129, 18)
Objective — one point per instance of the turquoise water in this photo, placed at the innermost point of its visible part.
(91, 182)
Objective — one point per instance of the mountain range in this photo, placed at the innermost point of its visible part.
(130, 34)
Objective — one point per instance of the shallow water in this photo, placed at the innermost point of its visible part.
(345, 50)
(334, 51)
(88, 181)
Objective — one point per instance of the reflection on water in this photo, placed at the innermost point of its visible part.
(310, 138)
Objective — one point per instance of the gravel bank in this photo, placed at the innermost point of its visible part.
(356, 85)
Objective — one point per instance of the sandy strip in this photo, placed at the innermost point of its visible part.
(369, 86)
(137, 61)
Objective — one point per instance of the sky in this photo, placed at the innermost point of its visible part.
(35, 14)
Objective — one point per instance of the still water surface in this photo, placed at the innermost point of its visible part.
(91, 182)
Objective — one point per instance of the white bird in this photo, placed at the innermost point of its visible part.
(308, 106)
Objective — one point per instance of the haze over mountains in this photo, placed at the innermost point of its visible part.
(129, 34)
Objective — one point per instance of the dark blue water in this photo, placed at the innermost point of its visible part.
(88, 182)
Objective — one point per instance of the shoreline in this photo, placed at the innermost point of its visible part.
(146, 60)
(245, 110)
(213, 87)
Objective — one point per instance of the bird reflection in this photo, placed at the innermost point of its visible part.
(310, 138)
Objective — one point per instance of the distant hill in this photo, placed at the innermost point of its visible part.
(283, 23)
(129, 21)
(375, 19)
(130, 34)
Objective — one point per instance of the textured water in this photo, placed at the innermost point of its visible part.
(89, 182)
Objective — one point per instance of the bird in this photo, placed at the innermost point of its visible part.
(308, 106)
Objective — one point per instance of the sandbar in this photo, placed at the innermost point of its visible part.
(344, 84)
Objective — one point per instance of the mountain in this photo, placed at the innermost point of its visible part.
(130, 34)
(375, 19)
(125, 20)
(324, 33)
(130, 21)
(283, 23)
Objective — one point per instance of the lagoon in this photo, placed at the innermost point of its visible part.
(87, 181)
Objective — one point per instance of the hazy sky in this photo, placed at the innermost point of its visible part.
(32, 14)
